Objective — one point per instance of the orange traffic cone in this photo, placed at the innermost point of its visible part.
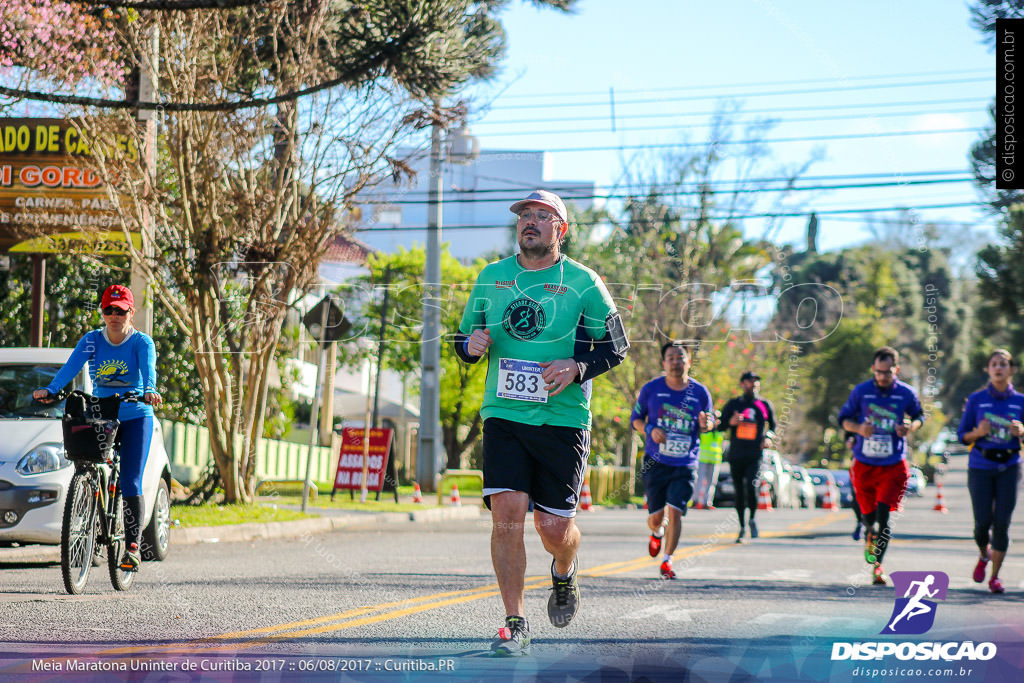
(456, 501)
(585, 502)
(764, 499)
(417, 495)
(831, 501)
(940, 502)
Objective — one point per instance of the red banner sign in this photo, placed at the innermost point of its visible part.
(350, 459)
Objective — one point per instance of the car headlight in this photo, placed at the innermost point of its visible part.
(46, 457)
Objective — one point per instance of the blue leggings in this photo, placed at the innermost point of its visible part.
(993, 496)
(134, 436)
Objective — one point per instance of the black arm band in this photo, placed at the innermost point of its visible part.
(460, 348)
(606, 352)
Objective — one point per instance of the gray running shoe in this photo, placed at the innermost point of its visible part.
(513, 638)
(564, 602)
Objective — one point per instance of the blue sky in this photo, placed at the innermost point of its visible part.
(873, 67)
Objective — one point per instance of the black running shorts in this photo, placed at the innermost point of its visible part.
(667, 485)
(546, 462)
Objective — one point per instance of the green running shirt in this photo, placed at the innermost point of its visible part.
(533, 315)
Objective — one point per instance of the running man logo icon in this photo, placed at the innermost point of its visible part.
(914, 611)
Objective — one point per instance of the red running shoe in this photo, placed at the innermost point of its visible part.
(666, 571)
(878, 576)
(995, 585)
(654, 545)
(979, 570)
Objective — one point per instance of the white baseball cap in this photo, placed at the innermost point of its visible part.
(548, 199)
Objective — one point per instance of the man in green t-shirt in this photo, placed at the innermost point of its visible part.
(547, 326)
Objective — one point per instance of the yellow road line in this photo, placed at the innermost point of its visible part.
(394, 610)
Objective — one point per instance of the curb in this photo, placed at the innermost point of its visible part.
(252, 531)
(270, 530)
(31, 554)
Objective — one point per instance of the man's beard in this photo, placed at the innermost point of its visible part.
(537, 252)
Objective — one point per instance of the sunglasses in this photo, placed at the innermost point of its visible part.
(113, 310)
(539, 214)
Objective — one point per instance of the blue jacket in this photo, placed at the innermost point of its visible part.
(128, 366)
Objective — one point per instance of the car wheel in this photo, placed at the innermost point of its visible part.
(156, 539)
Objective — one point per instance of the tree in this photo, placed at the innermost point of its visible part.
(1001, 284)
(273, 119)
(899, 291)
(984, 15)
(401, 274)
(677, 257)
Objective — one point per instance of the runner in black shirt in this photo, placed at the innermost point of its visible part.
(747, 418)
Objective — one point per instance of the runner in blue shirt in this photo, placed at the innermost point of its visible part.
(880, 412)
(672, 410)
(992, 423)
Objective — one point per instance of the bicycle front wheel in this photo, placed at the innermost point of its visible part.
(78, 533)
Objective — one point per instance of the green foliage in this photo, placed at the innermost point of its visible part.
(281, 411)
(462, 385)
(984, 14)
(74, 287)
(212, 514)
(1001, 283)
(897, 292)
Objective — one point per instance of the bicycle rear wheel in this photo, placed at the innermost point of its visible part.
(78, 533)
(120, 579)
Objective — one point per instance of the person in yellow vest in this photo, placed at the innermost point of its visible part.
(708, 462)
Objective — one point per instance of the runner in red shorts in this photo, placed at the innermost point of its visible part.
(880, 412)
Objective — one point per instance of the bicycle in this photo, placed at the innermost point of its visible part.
(93, 509)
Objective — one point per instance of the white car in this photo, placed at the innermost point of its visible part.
(34, 474)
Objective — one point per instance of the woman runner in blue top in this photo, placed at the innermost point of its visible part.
(992, 423)
(121, 359)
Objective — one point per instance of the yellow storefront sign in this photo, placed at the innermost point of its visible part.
(100, 243)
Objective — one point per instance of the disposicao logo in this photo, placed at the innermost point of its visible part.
(916, 592)
(914, 614)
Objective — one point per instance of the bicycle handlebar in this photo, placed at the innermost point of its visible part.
(127, 397)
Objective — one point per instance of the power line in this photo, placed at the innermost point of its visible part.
(784, 214)
(691, 192)
(808, 138)
(757, 83)
(769, 93)
(767, 110)
(714, 184)
(104, 103)
(636, 129)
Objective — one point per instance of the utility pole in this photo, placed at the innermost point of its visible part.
(428, 460)
(314, 413)
(38, 299)
(380, 347)
(144, 88)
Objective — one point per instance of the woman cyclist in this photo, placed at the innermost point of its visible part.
(121, 359)
(992, 422)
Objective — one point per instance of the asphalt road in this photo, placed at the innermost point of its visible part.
(399, 602)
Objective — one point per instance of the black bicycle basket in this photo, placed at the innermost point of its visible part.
(90, 426)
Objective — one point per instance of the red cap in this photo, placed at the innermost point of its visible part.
(119, 296)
